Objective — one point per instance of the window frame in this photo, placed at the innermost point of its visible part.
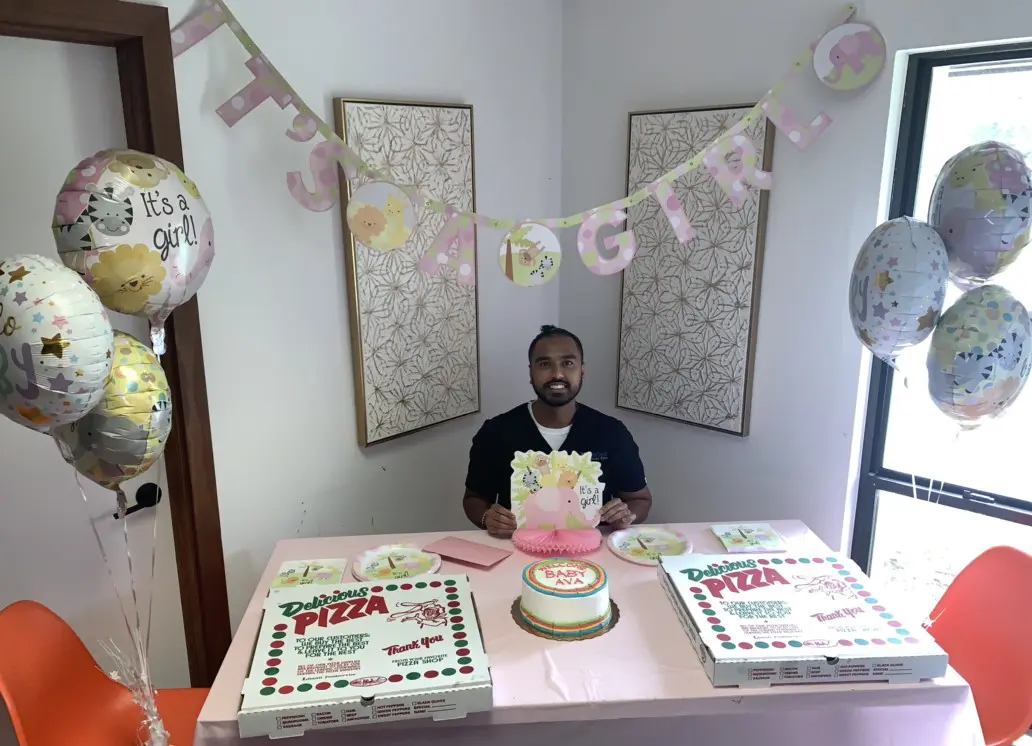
(874, 476)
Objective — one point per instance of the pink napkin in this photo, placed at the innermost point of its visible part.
(470, 552)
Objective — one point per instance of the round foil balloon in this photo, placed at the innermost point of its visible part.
(849, 57)
(55, 343)
(126, 432)
(898, 286)
(136, 229)
(980, 355)
(530, 255)
(981, 207)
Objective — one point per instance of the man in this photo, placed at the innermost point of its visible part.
(554, 422)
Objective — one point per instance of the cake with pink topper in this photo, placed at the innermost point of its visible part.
(556, 498)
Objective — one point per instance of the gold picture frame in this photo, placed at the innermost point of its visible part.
(681, 356)
(415, 337)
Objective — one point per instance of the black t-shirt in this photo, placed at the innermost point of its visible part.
(605, 437)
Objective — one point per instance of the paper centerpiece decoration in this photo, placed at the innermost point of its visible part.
(555, 491)
(727, 159)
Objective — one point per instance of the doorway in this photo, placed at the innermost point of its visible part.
(135, 49)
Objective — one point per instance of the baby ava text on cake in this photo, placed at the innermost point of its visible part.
(734, 577)
(565, 575)
(414, 645)
(339, 607)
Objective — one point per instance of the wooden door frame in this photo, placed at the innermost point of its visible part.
(143, 46)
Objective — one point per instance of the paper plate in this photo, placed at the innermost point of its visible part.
(644, 545)
(394, 561)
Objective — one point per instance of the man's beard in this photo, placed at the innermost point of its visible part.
(557, 397)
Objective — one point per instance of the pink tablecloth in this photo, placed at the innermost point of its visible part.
(639, 683)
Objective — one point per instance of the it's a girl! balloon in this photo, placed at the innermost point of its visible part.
(135, 227)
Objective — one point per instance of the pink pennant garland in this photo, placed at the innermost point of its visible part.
(801, 134)
(195, 28)
(455, 247)
(674, 210)
(322, 162)
(624, 244)
(734, 163)
(265, 85)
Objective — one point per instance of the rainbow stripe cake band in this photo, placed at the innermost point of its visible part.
(597, 584)
(567, 630)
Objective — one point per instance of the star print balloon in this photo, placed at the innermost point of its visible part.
(55, 343)
(980, 355)
(126, 432)
(898, 286)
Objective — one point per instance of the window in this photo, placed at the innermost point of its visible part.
(919, 479)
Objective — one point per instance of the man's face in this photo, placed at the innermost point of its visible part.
(556, 370)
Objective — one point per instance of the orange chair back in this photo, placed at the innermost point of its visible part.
(54, 691)
(984, 623)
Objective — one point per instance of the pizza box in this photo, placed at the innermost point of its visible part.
(365, 653)
(757, 620)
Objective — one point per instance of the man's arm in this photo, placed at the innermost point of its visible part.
(475, 502)
(476, 507)
(639, 503)
(631, 487)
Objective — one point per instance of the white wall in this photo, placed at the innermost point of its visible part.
(274, 311)
(797, 461)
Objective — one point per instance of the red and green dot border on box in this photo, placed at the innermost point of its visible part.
(897, 635)
(271, 685)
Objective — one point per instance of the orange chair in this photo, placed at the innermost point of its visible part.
(984, 622)
(57, 696)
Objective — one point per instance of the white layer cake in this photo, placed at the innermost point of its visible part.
(565, 598)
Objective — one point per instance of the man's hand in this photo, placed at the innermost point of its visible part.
(499, 522)
(617, 514)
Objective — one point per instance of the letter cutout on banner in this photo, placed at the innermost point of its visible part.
(733, 163)
(624, 244)
(801, 134)
(195, 28)
(265, 85)
(455, 247)
(674, 211)
(302, 129)
(323, 164)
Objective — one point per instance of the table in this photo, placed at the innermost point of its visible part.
(640, 683)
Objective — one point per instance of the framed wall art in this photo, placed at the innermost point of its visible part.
(688, 316)
(414, 334)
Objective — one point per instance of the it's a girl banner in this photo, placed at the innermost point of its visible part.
(731, 160)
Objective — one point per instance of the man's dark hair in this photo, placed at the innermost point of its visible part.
(554, 331)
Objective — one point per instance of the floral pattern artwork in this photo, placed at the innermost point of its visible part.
(417, 332)
(688, 310)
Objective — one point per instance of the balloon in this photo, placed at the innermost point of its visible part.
(981, 207)
(55, 343)
(126, 432)
(135, 227)
(980, 355)
(898, 286)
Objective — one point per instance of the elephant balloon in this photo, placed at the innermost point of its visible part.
(982, 207)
